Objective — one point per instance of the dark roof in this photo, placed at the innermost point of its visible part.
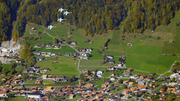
(34, 93)
(40, 58)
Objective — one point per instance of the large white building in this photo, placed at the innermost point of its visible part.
(3, 94)
(100, 73)
(34, 95)
(4, 50)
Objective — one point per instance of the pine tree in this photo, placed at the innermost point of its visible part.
(54, 40)
(4, 71)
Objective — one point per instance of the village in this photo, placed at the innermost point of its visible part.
(115, 87)
(58, 74)
(114, 82)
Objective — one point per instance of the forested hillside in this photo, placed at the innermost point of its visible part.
(149, 14)
(94, 16)
(7, 15)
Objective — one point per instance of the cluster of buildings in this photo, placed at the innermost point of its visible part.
(73, 43)
(109, 58)
(13, 81)
(136, 87)
(48, 46)
(52, 54)
(36, 70)
(61, 78)
(84, 53)
(8, 49)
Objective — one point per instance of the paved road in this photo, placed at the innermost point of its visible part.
(24, 91)
(72, 48)
(79, 70)
(26, 83)
(162, 74)
(167, 71)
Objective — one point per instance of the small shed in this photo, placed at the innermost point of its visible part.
(40, 58)
(171, 41)
(129, 44)
(33, 29)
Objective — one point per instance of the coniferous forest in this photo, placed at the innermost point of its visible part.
(94, 16)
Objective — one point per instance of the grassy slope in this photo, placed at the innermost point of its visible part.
(19, 98)
(57, 31)
(66, 66)
(146, 54)
(7, 66)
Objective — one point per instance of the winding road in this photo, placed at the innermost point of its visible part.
(72, 48)
(65, 43)
(167, 71)
(79, 71)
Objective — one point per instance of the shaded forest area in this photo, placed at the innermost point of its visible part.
(94, 16)
(7, 16)
(148, 14)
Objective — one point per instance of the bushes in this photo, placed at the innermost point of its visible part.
(29, 38)
(106, 42)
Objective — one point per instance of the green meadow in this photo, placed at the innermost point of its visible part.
(66, 66)
(147, 53)
(57, 31)
(151, 51)
(65, 49)
(18, 98)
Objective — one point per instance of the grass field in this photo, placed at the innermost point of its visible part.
(57, 31)
(30, 81)
(47, 82)
(65, 49)
(60, 84)
(146, 53)
(66, 66)
(92, 63)
(99, 83)
(19, 98)
(7, 66)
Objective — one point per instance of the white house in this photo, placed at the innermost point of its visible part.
(86, 58)
(53, 54)
(88, 50)
(3, 94)
(38, 53)
(73, 43)
(44, 76)
(34, 95)
(48, 46)
(18, 60)
(47, 55)
(40, 58)
(132, 77)
(113, 78)
(4, 50)
(19, 75)
(126, 97)
(83, 54)
(172, 84)
(100, 73)
(175, 75)
(120, 65)
(109, 56)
